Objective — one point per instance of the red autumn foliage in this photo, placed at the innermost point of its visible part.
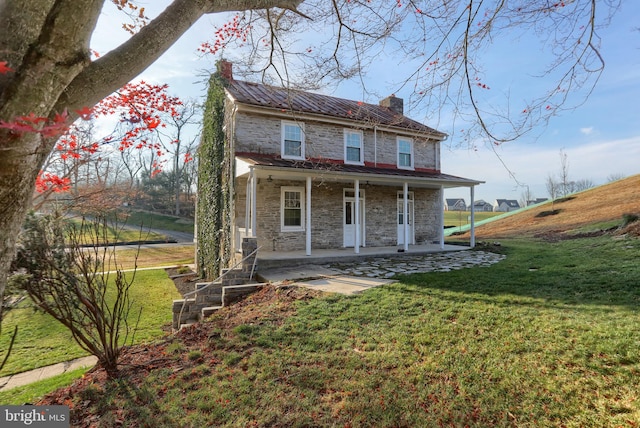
(140, 105)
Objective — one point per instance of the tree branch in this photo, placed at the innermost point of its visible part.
(124, 63)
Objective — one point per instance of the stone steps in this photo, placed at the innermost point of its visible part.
(232, 286)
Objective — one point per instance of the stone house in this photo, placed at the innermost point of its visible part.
(318, 172)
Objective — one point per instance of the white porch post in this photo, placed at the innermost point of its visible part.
(441, 218)
(473, 220)
(254, 197)
(247, 206)
(308, 220)
(356, 246)
(405, 217)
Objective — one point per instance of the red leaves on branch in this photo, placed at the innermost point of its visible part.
(51, 182)
(232, 30)
(141, 106)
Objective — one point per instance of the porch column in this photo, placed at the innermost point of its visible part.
(441, 218)
(356, 246)
(405, 217)
(254, 197)
(308, 220)
(473, 220)
(247, 207)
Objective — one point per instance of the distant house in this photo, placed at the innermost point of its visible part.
(482, 206)
(455, 205)
(536, 201)
(506, 205)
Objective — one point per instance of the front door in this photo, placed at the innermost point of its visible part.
(349, 218)
(402, 218)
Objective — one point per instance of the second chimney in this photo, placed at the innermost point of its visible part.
(393, 103)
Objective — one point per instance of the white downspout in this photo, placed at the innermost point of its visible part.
(356, 246)
(308, 220)
(375, 146)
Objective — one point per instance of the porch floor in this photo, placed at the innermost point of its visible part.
(270, 259)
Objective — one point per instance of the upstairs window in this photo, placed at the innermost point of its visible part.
(405, 153)
(292, 140)
(353, 147)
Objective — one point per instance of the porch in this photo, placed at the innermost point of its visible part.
(276, 259)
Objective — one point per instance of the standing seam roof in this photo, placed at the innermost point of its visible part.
(260, 95)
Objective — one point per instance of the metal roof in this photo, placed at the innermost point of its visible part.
(292, 100)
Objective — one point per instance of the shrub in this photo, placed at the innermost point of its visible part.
(73, 283)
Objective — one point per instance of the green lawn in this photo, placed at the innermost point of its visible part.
(549, 337)
(42, 341)
(148, 220)
(460, 218)
(114, 233)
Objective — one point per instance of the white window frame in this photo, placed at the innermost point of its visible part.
(301, 227)
(284, 125)
(348, 132)
(411, 152)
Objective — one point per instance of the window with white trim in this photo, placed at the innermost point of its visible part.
(292, 140)
(292, 209)
(353, 152)
(405, 153)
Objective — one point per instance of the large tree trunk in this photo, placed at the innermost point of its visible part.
(46, 42)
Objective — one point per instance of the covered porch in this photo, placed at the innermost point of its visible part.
(395, 210)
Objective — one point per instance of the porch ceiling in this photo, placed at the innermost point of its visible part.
(278, 168)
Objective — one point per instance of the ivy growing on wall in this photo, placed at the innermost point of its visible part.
(215, 180)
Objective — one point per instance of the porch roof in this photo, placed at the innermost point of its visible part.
(272, 165)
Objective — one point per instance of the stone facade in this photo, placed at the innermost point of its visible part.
(327, 215)
(261, 134)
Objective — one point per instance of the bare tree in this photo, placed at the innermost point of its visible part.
(583, 184)
(552, 187)
(615, 177)
(181, 149)
(564, 184)
(74, 284)
(526, 196)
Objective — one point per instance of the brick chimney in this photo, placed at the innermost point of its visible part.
(225, 68)
(393, 103)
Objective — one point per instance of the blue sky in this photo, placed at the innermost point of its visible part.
(600, 138)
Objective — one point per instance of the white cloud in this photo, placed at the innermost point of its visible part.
(587, 131)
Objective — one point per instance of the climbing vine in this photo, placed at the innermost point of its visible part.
(215, 180)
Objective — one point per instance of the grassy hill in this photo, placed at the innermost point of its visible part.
(598, 208)
(548, 337)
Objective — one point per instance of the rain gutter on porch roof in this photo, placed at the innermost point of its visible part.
(370, 176)
(288, 114)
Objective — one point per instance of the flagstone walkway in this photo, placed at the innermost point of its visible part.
(438, 262)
